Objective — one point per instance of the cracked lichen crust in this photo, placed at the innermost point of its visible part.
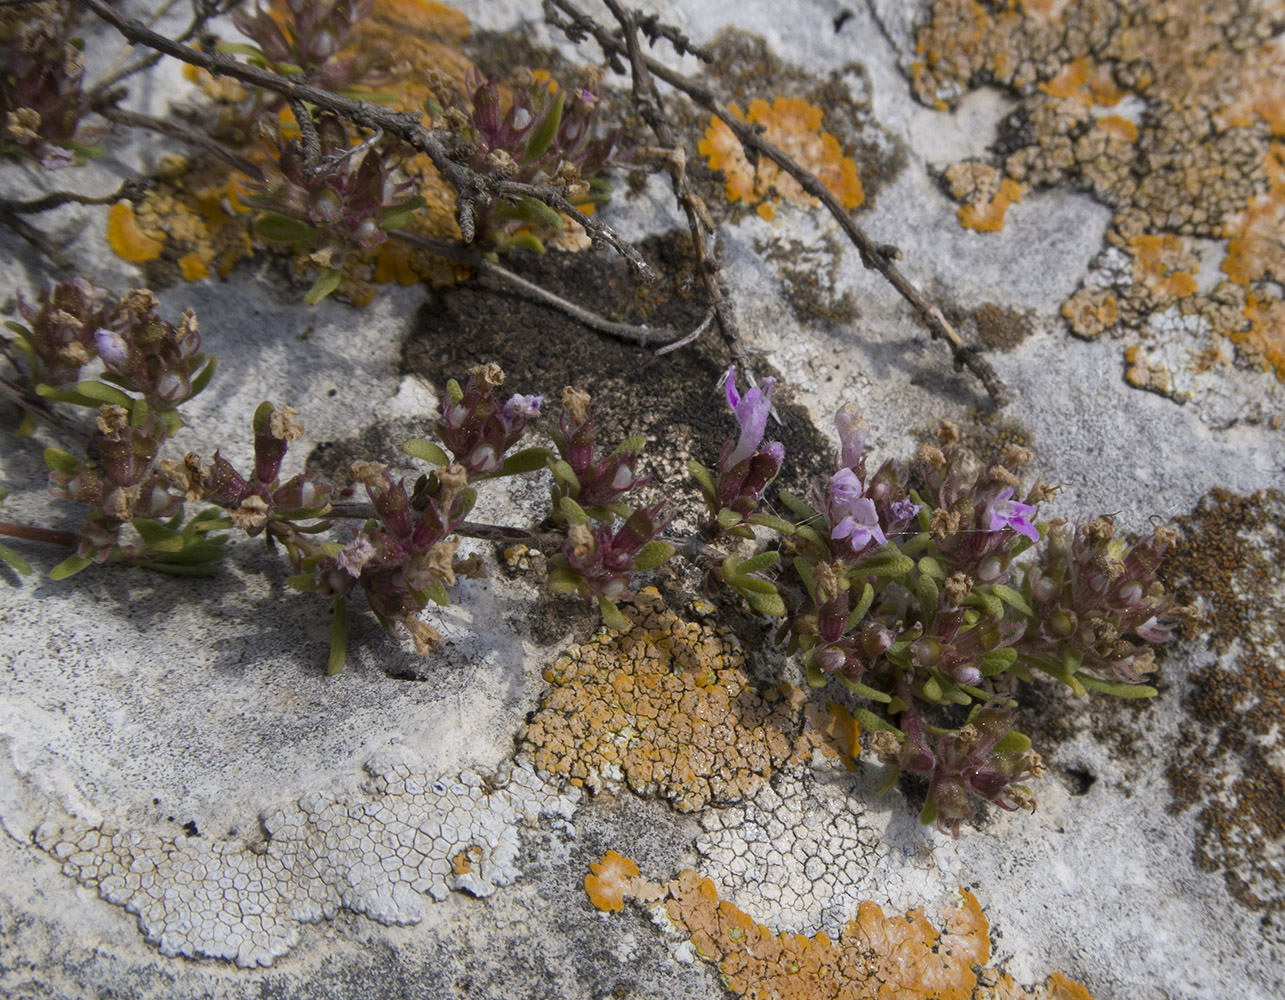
(411, 835)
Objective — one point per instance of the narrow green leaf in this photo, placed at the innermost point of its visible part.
(630, 445)
(303, 581)
(573, 512)
(156, 536)
(611, 616)
(870, 722)
(775, 523)
(454, 391)
(138, 414)
(523, 241)
(812, 535)
(397, 216)
(526, 460)
(102, 392)
(327, 281)
(565, 475)
(886, 562)
(997, 661)
(547, 130)
(28, 425)
(767, 604)
(1116, 688)
(926, 592)
(69, 567)
(437, 593)
(928, 814)
(988, 602)
(1012, 598)
(759, 562)
(241, 49)
(425, 451)
(651, 555)
(338, 638)
(15, 562)
(728, 518)
(283, 229)
(564, 580)
(859, 610)
(1013, 742)
(856, 687)
(58, 460)
(537, 211)
(198, 552)
(202, 378)
(929, 566)
(917, 544)
(804, 569)
(703, 479)
(799, 507)
(181, 569)
(747, 585)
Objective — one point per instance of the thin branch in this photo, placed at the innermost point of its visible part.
(647, 99)
(691, 337)
(128, 190)
(875, 256)
(39, 407)
(203, 10)
(67, 539)
(473, 188)
(135, 119)
(38, 241)
(644, 336)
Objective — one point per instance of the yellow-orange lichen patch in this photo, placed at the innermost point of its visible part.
(129, 241)
(795, 126)
(834, 732)
(875, 957)
(609, 880)
(667, 705)
(988, 217)
(986, 194)
(1264, 341)
(1198, 155)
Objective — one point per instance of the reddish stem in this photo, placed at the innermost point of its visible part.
(67, 539)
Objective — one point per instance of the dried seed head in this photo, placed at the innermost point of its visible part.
(489, 376)
(369, 474)
(576, 403)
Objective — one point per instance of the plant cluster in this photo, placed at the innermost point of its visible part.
(926, 588)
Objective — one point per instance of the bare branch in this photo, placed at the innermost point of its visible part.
(128, 189)
(875, 256)
(134, 119)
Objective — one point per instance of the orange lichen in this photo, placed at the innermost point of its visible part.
(795, 126)
(609, 880)
(1264, 341)
(985, 193)
(667, 704)
(874, 958)
(1198, 161)
(125, 237)
(989, 217)
(1140, 373)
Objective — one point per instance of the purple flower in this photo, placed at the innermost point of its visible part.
(861, 526)
(1004, 512)
(751, 411)
(112, 347)
(904, 510)
(522, 407)
(852, 428)
(845, 489)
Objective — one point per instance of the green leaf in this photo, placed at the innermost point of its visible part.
(1013, 742)
(69, 567)
(565, 475)
(537, 211)
(804, 569)
(202, 378)
(887, 561)
(816, 676)
(303, 581)
(207, 551)
(651, 555)
(1012, 598)
(526, 460)
(870, 722)
(630, 445)
(58, 460)
(800, 508)
(989, 602)
(926, 592)
(523, 241)
(611, 616)
(425, 451)
(547, 130)
(859, 611)
(766, 604)
(917, 544)
(728, 518)
(997, 661)
(28, 425)
(929, 566)
(564, 580)
(14, 561)
(1120, 690)
(241, 49)
(775, 523)
(437, 593)
(572, 511)
(928, 814)
(704, 480)
(327, 281)
(454, 391)
(932, 689)
(338, 638)
(101, 392)
(759, 562)
(283, 229)
(812, 535)
(396, 216)
(856, 687)
(746, 585)
(181, 569)
(156, 536)
(138, 414)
